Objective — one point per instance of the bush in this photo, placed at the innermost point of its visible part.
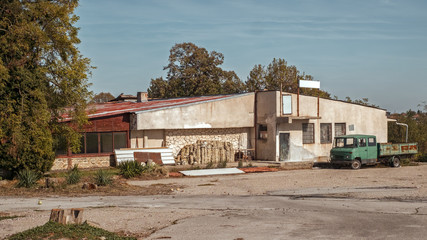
(27, 178)
(130, 169)
(210, 165)
(422, 158)
(74, 175)
(240, 164)
(222, 164)
(103, 178)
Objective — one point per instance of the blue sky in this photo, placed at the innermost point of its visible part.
(374, 49)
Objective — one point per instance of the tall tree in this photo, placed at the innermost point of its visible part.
(193, 71)
(279, 73)
(102, 97)
(42, 77)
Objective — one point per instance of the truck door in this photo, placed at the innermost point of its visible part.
(372, 149)
(363, 150)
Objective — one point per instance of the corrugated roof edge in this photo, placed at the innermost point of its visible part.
(195, 103)
(331, 99)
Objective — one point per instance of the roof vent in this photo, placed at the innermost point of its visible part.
(142, 96)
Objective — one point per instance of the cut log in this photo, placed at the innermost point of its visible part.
(67, 216)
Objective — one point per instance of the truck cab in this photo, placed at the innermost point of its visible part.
(354, 150)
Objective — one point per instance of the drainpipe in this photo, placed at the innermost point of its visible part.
(406, 125)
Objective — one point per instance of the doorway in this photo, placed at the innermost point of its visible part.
(284, 146)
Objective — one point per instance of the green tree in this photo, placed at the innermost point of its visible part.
(42, 78)
(102, 97)
(193, 71)
(279, 73)
(256, 79)
(417, 129)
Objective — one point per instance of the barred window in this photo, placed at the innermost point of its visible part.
(307, 133)
(262, 131)
(326, 133)
(339, 129)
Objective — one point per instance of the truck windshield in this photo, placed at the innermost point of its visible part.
(345, 142)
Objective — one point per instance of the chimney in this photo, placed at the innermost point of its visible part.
(141, 97)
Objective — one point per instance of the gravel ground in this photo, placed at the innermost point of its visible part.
(124, 214)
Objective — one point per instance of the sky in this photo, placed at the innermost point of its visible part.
(375, 49)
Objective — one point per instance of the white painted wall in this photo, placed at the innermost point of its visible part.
(366, 120)
(233, 112)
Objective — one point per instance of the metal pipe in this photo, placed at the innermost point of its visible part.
(406, 125)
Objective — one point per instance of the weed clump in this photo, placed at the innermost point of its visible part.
(27, 178)
(130, 169)
(74, 175)
(103, 178)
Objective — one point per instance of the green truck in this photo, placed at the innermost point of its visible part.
(358, 150)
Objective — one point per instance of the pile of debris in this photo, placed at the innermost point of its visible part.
(205, 152)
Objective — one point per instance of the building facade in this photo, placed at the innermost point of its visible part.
(294, 128)
(277, 126)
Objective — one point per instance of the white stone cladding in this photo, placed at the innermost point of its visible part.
(178, 138)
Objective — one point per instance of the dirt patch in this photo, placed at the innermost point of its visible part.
(258, 169)
(119, 187)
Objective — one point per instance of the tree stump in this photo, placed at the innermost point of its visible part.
(67, 216)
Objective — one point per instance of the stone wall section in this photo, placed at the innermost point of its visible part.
(179, 138)
(83, 162)
(205, 152)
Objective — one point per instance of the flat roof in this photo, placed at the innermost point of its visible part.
(116, 108)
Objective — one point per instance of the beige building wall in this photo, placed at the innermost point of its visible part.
(228, 120)
(234, 112)
(358, 119)
(266, 107)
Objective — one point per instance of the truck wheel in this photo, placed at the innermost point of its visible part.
(395, 162)
(356, 164)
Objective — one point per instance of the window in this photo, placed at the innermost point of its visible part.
(372, 142)
(104, 142)
(345, 142)
(262, 132)
(287, 104)
(120, 140)
(91, 142)
(362, 142)
(326, 133)
(307, 133)
(339, 129)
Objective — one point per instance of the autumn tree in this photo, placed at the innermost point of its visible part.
(102, 97)
(417, 130)
(279, 73)
(193, 71)
(42, 77)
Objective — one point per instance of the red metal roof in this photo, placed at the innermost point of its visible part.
(116, 108)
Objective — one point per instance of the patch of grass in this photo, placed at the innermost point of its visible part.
(8, 217)
(240, 164)
(27, 178)
(74, 175)
(130, 169)
(103, 178)
(222, 164)
(210, 165)
(52, 230)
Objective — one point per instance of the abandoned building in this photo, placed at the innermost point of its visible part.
(267, 125)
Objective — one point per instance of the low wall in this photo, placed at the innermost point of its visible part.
(83, 162)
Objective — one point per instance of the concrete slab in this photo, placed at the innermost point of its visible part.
(208, 172)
